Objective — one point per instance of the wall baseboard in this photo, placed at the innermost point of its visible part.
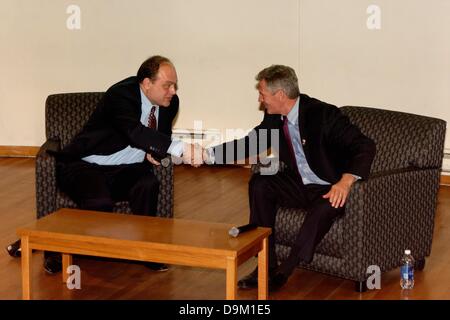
(445, 180)
(18, 151)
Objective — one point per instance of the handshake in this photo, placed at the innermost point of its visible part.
(193, 154)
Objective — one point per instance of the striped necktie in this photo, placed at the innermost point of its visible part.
(152, 118)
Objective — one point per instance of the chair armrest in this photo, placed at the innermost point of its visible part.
(46, 178)
(51, 145)
(389, 213)
(271, 168)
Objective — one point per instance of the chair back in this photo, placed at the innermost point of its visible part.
(403, 140)
(66, 114)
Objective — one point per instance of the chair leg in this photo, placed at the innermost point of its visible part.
(420, 264)
(360, 286)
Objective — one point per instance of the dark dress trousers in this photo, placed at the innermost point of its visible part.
(114, 125)
(332, 146)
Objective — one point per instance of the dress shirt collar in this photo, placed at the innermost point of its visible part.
(292, 116)
(146, 101)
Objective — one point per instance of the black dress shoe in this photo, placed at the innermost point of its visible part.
(250, 281)
(155, 266)
(52, 263)
(14, 249)
(277, 281)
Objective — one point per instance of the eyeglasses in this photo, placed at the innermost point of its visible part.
(168, 86)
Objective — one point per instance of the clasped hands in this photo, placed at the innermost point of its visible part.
(194, 154)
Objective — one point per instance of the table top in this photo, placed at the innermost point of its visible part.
(111, 228)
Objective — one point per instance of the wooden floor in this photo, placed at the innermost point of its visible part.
(208, 194)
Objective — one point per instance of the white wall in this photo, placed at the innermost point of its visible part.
(404, 65)
(218, 47)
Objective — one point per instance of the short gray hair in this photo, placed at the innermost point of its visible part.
(280, 77)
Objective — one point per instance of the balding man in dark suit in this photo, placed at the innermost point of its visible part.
(111, 158)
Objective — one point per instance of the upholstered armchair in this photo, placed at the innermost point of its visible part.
(392, 211)
(65, 115)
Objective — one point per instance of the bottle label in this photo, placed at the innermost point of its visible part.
(407, 272)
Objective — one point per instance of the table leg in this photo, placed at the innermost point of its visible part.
(263, 292)
(231, 278)
(66, 262)
(26, 268)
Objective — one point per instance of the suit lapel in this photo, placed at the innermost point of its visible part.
(303, 109)
(162, 116)
(301, 119)
(165, 118)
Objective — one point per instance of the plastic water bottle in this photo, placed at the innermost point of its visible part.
(407, 271)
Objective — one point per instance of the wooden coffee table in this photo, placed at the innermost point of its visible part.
(172, 241)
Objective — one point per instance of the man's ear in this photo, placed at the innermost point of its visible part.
(146, 83)
(281, 94)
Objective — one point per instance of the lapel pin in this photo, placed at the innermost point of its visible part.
(303, 142)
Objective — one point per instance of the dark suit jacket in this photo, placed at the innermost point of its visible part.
(115, 124)
(332, 145)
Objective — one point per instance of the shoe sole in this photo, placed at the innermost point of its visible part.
(51, 272)
(245, 287)
(158, 270)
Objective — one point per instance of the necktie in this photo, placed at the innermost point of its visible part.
(289, 143)
(152, 118)
(151, 122)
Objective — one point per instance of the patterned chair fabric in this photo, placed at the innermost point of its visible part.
(390, 212)
(65, 115)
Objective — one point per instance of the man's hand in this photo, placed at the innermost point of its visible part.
(193, 154)
(339, 192)
(151, 159)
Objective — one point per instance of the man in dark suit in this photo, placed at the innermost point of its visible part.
(111, 158)
(324, 155)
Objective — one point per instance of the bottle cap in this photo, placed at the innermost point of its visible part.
(407, 251)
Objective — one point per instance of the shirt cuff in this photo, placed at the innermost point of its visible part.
(176, 148)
